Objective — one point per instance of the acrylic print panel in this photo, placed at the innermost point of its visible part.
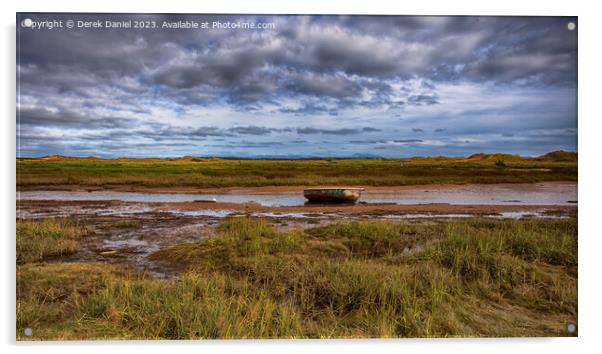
(194, 177)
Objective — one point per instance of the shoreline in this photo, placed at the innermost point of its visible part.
(347, 210)
(279, 189)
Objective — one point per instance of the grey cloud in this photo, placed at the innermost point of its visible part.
(370, 129)
(208, 131)
(250, 144)
(310, 109)
(115, 85)
(336, 86)
(383, 141)
(251, 130)
(165, 132)
(342, 131)
(407, 141)
(423, 100)
(42, 117)
(322, 57)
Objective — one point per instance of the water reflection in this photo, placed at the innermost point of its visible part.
(509, 194)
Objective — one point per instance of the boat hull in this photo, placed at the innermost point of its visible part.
(332, 195)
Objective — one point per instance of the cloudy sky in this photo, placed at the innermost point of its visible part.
(306, 86)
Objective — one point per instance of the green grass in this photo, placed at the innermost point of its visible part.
(206, 173)
(46, 238)
(351, 279)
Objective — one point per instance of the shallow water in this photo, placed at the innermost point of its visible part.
(263, 199)
(150, 213)
(131, 246)
(156, 227)
(109, 242)
(485, 194)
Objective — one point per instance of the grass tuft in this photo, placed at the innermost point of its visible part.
(41, 239)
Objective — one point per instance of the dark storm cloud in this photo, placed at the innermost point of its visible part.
(41, 117)
(325, 57)
(542, 50)
(164, 85)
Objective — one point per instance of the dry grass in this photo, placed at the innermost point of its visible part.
(358, 279)
(41, 239)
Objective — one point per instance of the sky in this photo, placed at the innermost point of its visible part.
(303, 86)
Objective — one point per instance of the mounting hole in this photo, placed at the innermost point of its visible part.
(27, 332)
(571, 328)
(26, 22)
(571, 26)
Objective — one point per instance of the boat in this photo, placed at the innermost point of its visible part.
(332, 195)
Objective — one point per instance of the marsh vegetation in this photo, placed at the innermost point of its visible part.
(471, 277)
(38, 240)
(192, 172)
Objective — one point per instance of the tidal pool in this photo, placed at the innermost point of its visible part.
(551, 193)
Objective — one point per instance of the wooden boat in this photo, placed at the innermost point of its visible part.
(332, 195)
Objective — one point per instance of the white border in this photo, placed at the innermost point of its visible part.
(590, 151)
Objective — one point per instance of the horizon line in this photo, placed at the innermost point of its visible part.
(290, 157)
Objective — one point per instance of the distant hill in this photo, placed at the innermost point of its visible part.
(52, 157)
(554, 156)
(559, 156)
(494, 157)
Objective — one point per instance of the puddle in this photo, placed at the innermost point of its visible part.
(427, 216)
(208, 213)
(131, 246)
(492, 194)
(111, 242)
(527, 214)
(132, 242)
(75, 210)
(292, 215)
(126, 210)
(146, 213)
